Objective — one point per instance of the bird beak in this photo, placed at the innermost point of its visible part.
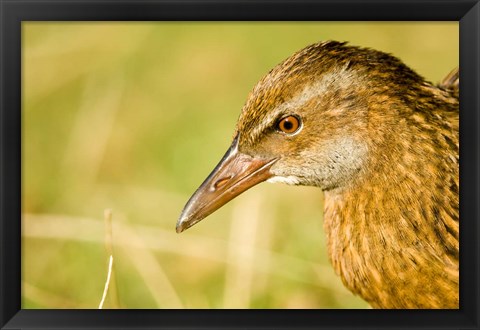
(235, 173)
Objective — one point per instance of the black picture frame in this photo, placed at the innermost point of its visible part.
(13, 12)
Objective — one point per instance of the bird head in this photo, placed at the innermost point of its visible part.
(307, 122)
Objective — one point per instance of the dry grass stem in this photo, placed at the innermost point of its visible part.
(109, 248)
(107, 282)
(110, 283)
(241, 251)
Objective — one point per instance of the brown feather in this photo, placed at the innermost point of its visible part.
(391, 214)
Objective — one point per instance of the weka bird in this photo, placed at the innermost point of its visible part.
(383, 145)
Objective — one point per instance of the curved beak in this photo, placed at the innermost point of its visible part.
(235, 173)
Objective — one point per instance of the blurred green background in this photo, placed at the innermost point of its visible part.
(133, 117)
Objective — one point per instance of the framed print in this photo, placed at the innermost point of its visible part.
(139, 141)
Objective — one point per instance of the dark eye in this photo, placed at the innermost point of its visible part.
(289, 124)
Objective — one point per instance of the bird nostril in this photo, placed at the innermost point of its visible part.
(221, 182)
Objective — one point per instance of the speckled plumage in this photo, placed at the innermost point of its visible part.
(392, 219)
(383, 145)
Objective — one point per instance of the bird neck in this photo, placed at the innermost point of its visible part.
(399, 215)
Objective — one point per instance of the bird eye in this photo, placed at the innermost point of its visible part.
(289, 124)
